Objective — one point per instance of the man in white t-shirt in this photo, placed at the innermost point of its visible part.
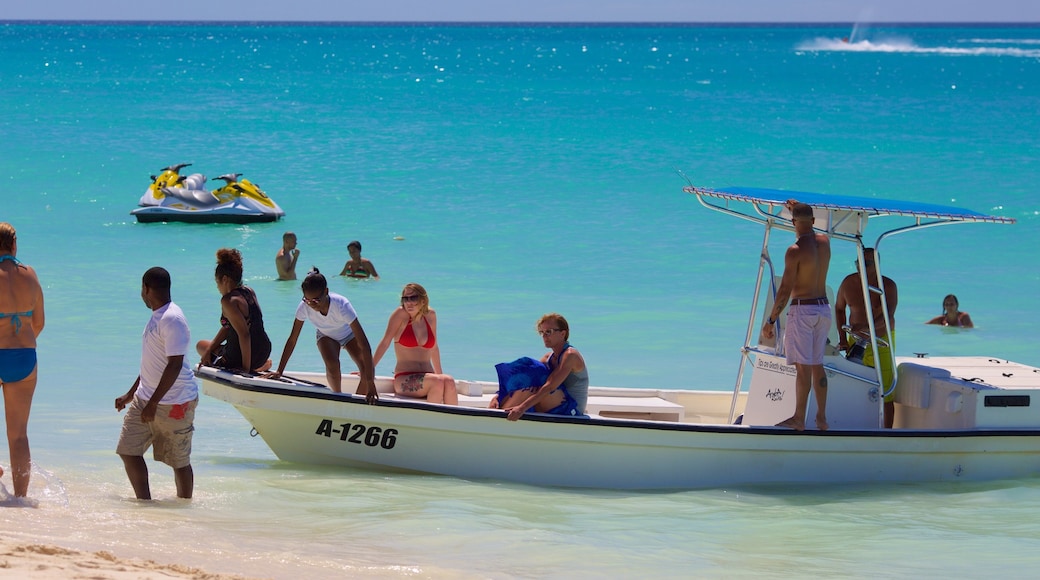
(337, 327)
(164, 396)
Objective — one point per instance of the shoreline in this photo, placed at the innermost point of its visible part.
(47, 561)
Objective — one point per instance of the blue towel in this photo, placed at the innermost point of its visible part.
(520, 374)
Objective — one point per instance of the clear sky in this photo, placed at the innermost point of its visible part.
(530, 10)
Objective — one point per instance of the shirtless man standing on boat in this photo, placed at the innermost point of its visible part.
(809, 318)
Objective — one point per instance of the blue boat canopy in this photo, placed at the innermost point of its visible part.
(772, 200)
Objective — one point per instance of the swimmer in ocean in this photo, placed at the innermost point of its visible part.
(356, 266)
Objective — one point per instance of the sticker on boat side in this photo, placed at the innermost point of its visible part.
(371, 436)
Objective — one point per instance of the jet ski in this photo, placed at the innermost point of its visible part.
(173, 197)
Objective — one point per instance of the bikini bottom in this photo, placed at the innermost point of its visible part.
(16, 364)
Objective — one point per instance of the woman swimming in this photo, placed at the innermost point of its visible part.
(951, 315)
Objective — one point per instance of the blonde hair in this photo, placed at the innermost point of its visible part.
(424, 299)
(7, 237)
(558, 320)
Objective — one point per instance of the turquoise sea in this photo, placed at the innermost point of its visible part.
(525, 169)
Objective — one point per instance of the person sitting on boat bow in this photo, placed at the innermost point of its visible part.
(566, 390)
(241, 343)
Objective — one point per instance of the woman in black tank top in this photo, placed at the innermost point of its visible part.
(241, 336)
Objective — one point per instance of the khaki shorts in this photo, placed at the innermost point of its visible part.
(169, 434)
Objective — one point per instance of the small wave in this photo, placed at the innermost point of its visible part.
(1028, 41)
(43, 485)
(908, 47)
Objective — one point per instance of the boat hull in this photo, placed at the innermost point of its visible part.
(312, 425)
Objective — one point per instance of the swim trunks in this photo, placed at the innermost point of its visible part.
(885, 355)
(16, 364)
(805, 334)
(568, 407)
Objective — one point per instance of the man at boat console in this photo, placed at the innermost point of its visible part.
(857, 342)
(804, 282)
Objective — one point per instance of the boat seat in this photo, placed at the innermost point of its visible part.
(650, 408)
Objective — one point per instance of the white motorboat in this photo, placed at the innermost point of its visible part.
(175, 198)
(957, 418)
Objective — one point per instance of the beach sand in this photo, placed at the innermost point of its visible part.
(20, 560)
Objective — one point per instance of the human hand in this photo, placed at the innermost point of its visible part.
(295, 252)
(121, 402)
(768, 331)
(514, 413)
(148, 413)
(371, 394)
(272, 375)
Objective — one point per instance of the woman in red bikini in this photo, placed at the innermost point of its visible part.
(413, 330)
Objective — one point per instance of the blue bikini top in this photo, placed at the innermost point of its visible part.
(14, 316)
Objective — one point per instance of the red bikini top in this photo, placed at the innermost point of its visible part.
(408, 336)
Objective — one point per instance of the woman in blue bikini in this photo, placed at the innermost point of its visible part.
(21, 321)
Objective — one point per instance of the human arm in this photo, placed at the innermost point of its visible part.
(363, 359)
(123, 401)
(398, 318)
(169, 376)
(435, 352)
(38, 318)
(369, 268)
(346, 269)
(783, 292)
(891, 300)
(234, 308)
(937, 320)
(841, 303)
(290, 346)
(965, 320)
(206, 358)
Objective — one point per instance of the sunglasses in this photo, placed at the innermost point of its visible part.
(410, 298)
(312, 301)
(549, 331)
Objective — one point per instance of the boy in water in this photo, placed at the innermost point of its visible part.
(285, 261)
